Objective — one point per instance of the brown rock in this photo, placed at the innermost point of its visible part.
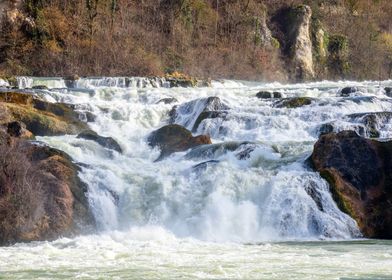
(41, 196)
(359, 173)
(175, 138)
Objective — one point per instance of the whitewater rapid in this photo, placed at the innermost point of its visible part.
(266, 196)
(258, 216)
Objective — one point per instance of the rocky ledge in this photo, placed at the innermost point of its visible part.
(359, 172)
(41, 195)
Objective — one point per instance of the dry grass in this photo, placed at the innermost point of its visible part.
(21, 193)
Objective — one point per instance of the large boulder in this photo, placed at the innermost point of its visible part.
(41, 196)
(175, 138)
(40, 117)
(359, 172)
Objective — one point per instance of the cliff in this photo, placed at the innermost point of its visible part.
(263, 40)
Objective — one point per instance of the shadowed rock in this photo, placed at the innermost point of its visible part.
(107, 142)
(268, 95)
(293, 102)
(359, 173)
(175, 138)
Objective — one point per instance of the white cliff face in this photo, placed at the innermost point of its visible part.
(302, 44)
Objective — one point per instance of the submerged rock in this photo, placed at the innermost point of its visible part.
(208, 115)
(365, 124)
(40, 117)
(107, 142)
(41, 196)
(293, 102)
(175, 138)
(359, 172)
(167, 100)
(388, 91)
(190, 114)
(268, 95)
(40, 87)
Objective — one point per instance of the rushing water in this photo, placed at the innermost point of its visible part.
(248, 213)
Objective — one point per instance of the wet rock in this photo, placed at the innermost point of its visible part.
(40, 87)
(168, 100)
(293, 102)
(208, 115)
(40, 117)
(359, 172)
(41, 196)
(71, 81)
(268, 95)
(18, 129)
(216, 150)
(175, 138)
(347, 91)
(106, 142)
(326, 128)
(188, 113)
(203, 165)
(388, 91)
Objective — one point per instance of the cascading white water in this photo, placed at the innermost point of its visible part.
(263, 197)
(202, 213)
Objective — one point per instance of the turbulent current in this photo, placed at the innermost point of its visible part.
(247, 206)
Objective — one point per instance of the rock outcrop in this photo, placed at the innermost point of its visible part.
(359, 172)
(41, 196)
(175, 138)
(39, 116)
(300, 42)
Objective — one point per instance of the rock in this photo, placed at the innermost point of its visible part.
(41, 196)
(107, 142)
(175, 138)
(388, 91)
(40, 117)
(300, 42)
(168, 100)
(208, 115)
(71, 81)
(359, 172)
(372, 122)
(40, 87)
(204, 165)
(346, 92)
(293, 102)
(326, 128)
(338, 58)
(268, 95)
(18, 129)
(242, 150)
(188, 113)
(177, 79)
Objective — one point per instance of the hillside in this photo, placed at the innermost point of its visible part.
(252, 39)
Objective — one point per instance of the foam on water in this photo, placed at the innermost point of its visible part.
(200, 213)
(267, 195)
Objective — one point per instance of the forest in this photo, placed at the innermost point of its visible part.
(241, 39)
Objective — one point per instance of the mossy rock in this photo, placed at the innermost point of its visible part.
(294, 102)
(40, 117)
